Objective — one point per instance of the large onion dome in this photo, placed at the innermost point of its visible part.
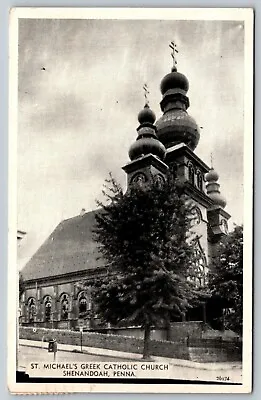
(176, 125)
(147, 141)
(213, 188)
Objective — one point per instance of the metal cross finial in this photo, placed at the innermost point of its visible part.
(146, 92)
(211, 159)
(173, 46)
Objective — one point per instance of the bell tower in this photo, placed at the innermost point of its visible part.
(217, 216)
(180, 134)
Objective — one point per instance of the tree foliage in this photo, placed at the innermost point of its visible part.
(226, 280)
(144, 236)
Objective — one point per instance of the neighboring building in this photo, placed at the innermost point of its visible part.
(54, 295)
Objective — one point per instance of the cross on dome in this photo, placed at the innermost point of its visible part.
(173, 46)
(146, 93)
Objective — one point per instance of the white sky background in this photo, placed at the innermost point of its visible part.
(78, 118)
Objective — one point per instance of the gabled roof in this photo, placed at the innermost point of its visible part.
(69, 249)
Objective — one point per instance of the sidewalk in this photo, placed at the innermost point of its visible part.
(222, 367)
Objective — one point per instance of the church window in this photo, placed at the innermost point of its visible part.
(82, 304)
(196, 216)
(48, 308)
(199, 180)
(173, 169)
(159, 180)
(200, 268)
(64, 306)
(139, 179)
(31, 309)
(191, 174)
(197, 272)
(224, 226)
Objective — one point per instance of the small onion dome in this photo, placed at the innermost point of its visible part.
(177, 126)
(212, 175)
(174, 80)
(146, 145)
(147, 141)
(146, 115)
(218, 199)
(213, 191)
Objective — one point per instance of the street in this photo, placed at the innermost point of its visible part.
(28, 354)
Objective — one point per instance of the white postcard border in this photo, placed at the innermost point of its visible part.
(243, 14)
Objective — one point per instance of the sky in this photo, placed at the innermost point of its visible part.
(79, 93)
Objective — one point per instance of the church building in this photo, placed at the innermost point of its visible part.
(54, 295)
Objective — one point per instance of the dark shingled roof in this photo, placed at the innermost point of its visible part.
(69, 249)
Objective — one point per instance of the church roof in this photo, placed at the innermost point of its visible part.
(69, 249)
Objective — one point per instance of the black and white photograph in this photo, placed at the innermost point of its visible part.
(130, 200)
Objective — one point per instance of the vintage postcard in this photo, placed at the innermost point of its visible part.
(130, 200)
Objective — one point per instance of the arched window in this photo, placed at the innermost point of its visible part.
(64, 306)
(196, 216)
(191, 174)
(159, 180)
(173, 169)
(31, 309)
(139, 179)
(82, 304)
(199, 180)
(200, 268)
(47, 308)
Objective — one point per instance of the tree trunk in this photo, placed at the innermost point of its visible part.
(204, 316)
(146, 342)
(168, 330)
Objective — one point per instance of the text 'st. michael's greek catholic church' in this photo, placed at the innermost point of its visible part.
(53, 295)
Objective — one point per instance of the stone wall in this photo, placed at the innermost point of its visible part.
(182, 330)
(112, 342)
(137, 332)
(215, 353)
(194, 349)
(178, 332)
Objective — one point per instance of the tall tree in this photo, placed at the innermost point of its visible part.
(144, 236)
(226, 280)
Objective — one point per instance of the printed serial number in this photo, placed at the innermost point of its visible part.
(223, 378)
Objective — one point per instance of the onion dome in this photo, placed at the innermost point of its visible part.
(176, 126)
(146, 115)
(213, 190)
(174, 80)
(147, 141)
(212, 175)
